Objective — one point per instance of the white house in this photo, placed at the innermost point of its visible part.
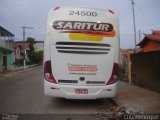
(6, 50)
(39, 45)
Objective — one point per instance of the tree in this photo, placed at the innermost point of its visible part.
(21, 50)
(31, 42)
(34, 56)
(30, 52)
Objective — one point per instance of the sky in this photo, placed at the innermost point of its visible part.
(14, 14)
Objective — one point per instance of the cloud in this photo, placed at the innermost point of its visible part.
(17, 13)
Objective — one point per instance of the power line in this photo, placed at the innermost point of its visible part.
(14, 15)
(33, 32)
(15, 28)
(145, 18)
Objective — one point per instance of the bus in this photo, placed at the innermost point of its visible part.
(81, 53)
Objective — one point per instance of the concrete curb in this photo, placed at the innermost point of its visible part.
(20, 71)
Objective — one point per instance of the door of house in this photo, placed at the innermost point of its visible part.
(4, 63)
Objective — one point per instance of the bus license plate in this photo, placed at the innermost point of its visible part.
(81, 91)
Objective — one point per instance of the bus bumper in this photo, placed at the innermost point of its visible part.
(68, 91)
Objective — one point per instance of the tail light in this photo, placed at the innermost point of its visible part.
(56, 8)
(48, 72)
(114, 76)
(111, 11)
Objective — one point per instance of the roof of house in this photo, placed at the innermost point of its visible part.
(126, 51)
(18, 43)
(5, 33)
(39, 41)
(26, 41)
(155, 36)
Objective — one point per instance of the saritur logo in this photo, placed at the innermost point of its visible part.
(85, 31)
(84, 27)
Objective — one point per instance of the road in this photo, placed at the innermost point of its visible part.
(23, 93)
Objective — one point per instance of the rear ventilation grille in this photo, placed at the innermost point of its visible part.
(82, 48)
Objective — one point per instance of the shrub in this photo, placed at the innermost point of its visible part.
(36, 56)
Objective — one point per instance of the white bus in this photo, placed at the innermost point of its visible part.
(81, 53)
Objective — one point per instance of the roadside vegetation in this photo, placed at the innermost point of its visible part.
(123, 72)
(35, 57)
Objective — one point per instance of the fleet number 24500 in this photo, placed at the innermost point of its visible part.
(83, 13)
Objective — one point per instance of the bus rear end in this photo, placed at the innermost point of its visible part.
(81, 53)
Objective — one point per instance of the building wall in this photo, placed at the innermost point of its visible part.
(4, 60)
(146, 69)
(11, 58)
(1, 61)
(18, 54)
(39, 46)
(7, 59)
(151, 46)
(6, 50)
(17, 50)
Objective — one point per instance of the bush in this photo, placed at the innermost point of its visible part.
(19, 62)
(122, 72)
(36, 56)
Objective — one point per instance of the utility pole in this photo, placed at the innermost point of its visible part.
(134, 24)
(139, 35)
(24, 49)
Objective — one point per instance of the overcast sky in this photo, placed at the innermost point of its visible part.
(33, 13)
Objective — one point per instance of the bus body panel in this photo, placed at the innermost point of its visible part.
(74, 66)
(82, 45)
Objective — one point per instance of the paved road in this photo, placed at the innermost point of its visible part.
(23, 93)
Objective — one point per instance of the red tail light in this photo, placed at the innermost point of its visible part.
(111, 11)
(56, 8)
(114, 76)
(48, 72)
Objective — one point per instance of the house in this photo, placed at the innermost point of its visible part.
(6, 50)
(18, 48)
(19, 45)
(151, 42)
(124, 54)
(39, 45)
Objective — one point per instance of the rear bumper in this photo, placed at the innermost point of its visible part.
(68, 91)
